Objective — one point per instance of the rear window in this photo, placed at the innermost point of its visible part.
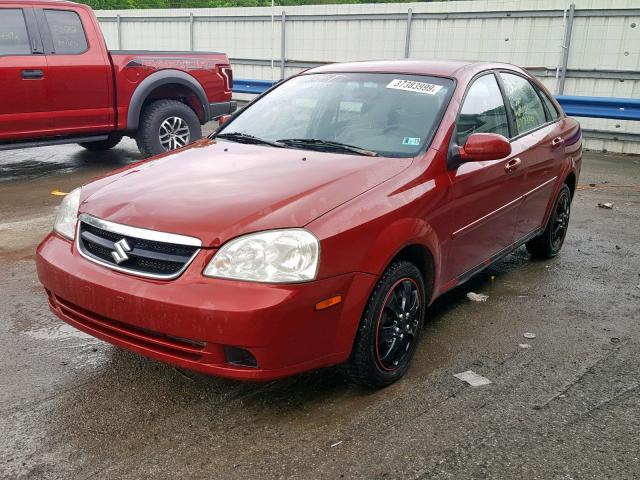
(14, 39)
(525, 103)
(551, 108)
(66, 31)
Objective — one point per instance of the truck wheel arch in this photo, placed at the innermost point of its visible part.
(156, 80)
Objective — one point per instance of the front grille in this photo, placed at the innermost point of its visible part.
(143, 254)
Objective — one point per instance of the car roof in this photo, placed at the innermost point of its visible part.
(445, 68)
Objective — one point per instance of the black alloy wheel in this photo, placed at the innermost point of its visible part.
(390, 327)
(398, 323)
(549, 242)
(560, 223)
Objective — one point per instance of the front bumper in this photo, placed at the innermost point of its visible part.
(189, 321)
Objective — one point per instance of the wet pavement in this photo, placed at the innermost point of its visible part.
(73, 407)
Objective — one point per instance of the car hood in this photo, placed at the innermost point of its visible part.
(218, 190)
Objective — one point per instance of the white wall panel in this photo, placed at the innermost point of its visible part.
(155, 36)
(610, 43)
(110, 32)
(606, 43)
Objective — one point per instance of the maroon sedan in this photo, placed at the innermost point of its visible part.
(315, 226)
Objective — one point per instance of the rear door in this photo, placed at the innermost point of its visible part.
(80, 75)
(486, 195)
(539, 144)
(24, 103)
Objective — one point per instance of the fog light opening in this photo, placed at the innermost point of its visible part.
(240, 357)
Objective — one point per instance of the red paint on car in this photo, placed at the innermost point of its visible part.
(451, 208)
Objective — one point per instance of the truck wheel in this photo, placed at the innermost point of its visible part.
(389, 329)
(103, 145)
(166, 125)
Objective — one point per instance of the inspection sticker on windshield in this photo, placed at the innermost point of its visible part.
(411, 141)
(411, 86)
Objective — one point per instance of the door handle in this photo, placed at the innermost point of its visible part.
(556, 142)
(512, 165)
(32, 74)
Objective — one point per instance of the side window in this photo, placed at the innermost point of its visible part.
(551, 108)
(66, 31)
(525, 103)
(14, 39)
(483, 110)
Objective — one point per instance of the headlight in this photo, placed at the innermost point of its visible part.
(67, 216)
(277, 256)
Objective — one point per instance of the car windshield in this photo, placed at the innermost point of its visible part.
(391, 115)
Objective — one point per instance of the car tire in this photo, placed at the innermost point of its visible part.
(102, 145)
(376, 361)
(549, 242)
(166, 125)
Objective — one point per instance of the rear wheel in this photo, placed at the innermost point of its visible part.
(549, 242)
(102, 145)
(389, 329)
(166, 125)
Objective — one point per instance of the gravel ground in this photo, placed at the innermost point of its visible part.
(566, 408)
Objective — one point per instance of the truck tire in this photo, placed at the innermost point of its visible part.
(103, 145)
(166, 125)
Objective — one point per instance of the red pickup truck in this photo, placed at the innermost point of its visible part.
(60, 84)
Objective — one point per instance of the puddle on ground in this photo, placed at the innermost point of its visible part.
(57, 332)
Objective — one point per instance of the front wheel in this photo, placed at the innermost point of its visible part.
(549, 242)
(166, 125)
(389, 329)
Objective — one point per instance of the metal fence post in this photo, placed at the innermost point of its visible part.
(283, 38)
(407, 38)
(119, 27)
(566, 46)
(191, 41)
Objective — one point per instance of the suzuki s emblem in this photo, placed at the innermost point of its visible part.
(120, 252)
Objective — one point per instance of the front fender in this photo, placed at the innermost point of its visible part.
(397, 236)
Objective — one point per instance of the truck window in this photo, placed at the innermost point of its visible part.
(14, 39)
(66, 31)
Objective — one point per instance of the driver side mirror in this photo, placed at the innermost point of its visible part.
(484, 146)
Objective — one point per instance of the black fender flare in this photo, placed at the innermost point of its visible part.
(157, 79)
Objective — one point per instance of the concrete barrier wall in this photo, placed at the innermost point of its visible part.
(601, 37)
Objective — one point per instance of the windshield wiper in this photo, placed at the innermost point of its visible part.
(325, 145)
(246, 138)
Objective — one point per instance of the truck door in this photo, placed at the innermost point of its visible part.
(24, 103)
(79, 71)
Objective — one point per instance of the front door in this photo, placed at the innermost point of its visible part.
(24, 103)
(486, 195)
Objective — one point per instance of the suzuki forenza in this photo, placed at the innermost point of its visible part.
(314, 227)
